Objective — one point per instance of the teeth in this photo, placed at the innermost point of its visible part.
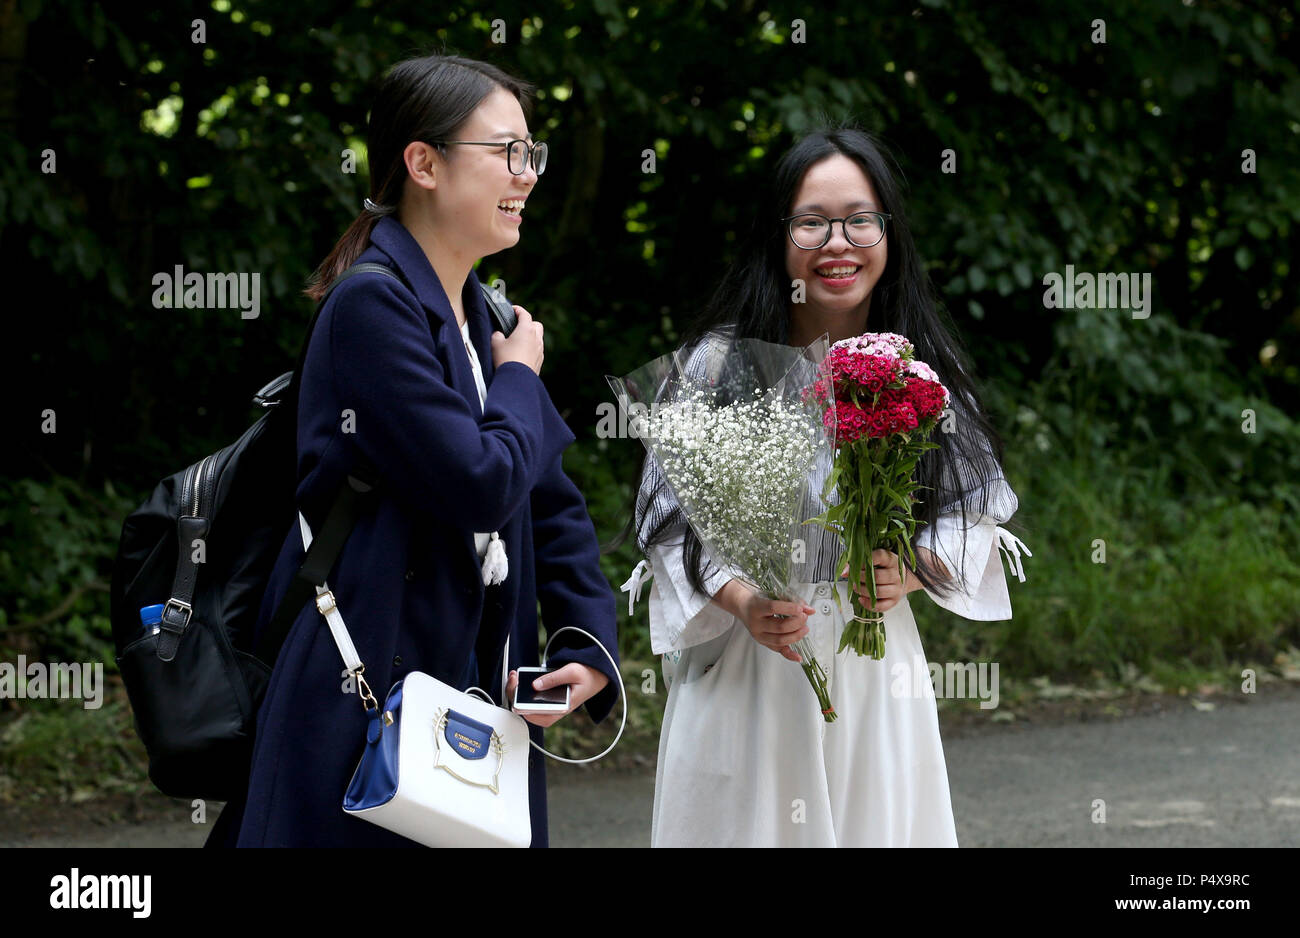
(837, 271)
(511, 205)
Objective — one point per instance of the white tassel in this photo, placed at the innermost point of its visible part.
(1011, 545)
(640, 573)
(495, 564)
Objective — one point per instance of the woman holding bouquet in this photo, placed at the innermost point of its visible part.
(745, 757)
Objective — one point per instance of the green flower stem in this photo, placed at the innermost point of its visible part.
(812, 669)
(879, 511)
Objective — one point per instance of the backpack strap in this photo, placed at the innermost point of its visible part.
(316, 565)
(177, 611)
(352, 493)
(500, 308)
(342, 516)
(367, 268)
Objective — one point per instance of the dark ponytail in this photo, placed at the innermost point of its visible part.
(428, 98)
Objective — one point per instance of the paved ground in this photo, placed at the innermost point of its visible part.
(1183, 777)
(1180, 777)
(1228, 777)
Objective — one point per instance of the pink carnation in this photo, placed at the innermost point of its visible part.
(848, 420)
(929, 398)
(854, 368)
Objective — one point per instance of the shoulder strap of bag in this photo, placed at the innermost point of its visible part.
(368, 267)
(328, 606)
(342, 515)
(349, 498)
(319, 560)
(503, 313)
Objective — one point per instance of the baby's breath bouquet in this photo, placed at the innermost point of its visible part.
(736, 434)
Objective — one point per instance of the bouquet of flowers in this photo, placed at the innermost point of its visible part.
(882, 404)
(735, 431)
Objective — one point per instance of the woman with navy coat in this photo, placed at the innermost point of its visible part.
(393, 377)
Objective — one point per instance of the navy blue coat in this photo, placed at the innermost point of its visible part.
(387, 376)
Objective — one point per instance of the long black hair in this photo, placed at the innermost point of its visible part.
(754, 296)
(427, 98)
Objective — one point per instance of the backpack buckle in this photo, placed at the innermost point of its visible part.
(168, 622)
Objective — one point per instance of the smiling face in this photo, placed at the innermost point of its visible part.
(474, 194)
(839, 276)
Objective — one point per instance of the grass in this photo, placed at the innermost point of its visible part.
(1128, 574)
(53, 750)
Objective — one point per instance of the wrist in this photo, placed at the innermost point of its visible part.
(732, 597)
(599, 679)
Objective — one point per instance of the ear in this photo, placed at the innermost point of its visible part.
(423, 164)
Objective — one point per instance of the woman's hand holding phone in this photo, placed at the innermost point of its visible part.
(524, 345)
(584, 683)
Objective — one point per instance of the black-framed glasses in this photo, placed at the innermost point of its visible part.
(811, 231)
(518, 153)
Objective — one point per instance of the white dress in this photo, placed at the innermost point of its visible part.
(745, 758)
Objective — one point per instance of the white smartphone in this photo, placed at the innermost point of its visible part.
(528, 700)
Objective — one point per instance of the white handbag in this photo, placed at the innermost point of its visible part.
(441, 767)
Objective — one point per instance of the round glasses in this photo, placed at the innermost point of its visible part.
(518, 153)
(811, 231)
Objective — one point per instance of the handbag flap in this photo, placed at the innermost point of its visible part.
(467, 737)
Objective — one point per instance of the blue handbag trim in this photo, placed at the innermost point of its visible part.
(467, 737)
(375, 780)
